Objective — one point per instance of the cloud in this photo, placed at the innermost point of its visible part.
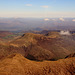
(64, 33)
(46, 19)
(45, 6)
(73, 20)
(61, 19)
(28, 4)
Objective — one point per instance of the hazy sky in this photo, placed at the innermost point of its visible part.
(37, 8)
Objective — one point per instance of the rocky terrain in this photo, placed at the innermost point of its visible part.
(39, 47)
(50, 46)
(38, 54)
(16, 64)
(71, 55)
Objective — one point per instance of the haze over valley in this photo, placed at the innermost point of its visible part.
(37, 24)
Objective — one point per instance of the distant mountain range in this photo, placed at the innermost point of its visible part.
(37, 24)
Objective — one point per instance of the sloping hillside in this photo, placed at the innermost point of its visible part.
(3, 49)
(71, 55)
(16, 64)
(51, 46)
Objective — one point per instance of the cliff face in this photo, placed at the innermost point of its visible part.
(16, 64)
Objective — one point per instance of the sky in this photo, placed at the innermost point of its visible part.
(37, 8)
